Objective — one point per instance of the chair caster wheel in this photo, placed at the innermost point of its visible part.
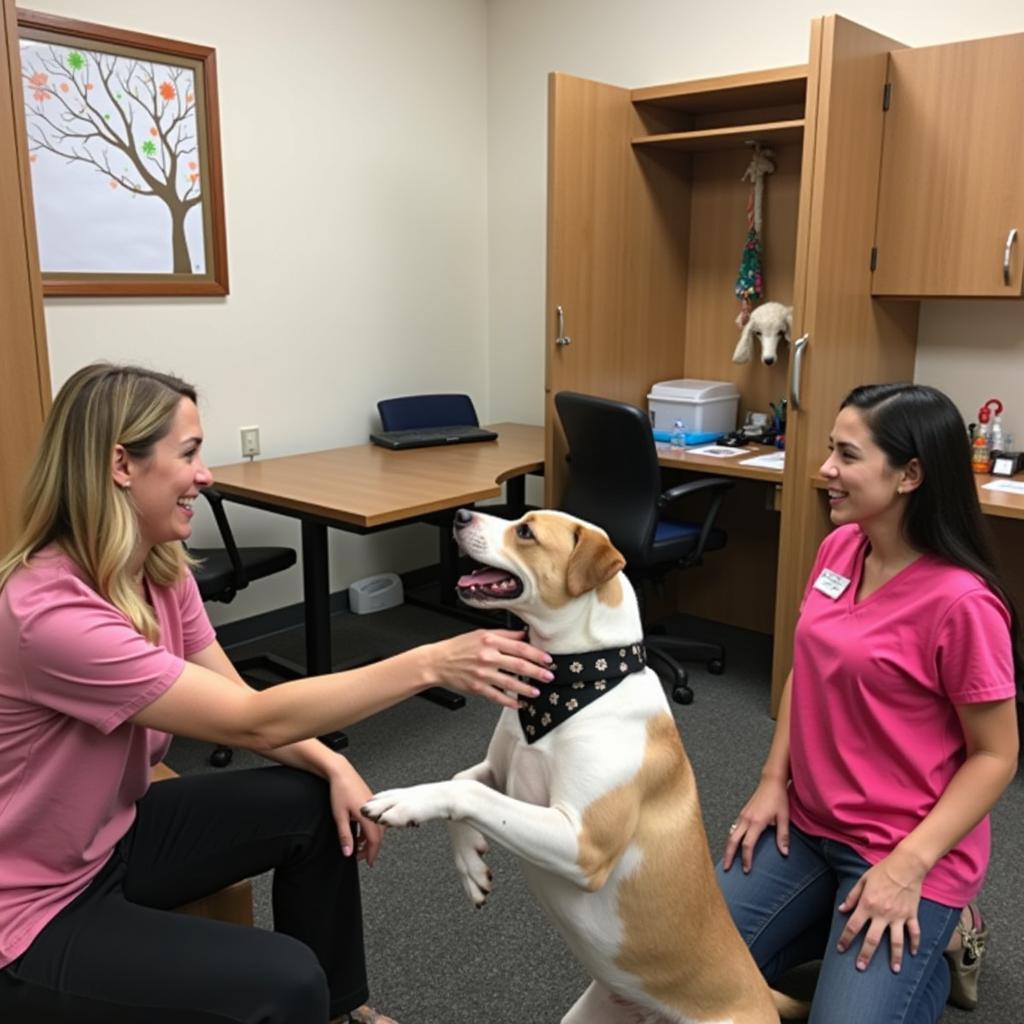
(221, 757)
(682, 695)
(716, 666)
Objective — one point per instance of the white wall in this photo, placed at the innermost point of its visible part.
(354, 149)
(973, 350)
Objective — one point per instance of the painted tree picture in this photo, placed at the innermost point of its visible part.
(118, 152)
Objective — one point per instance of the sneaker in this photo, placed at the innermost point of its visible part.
(965, 962)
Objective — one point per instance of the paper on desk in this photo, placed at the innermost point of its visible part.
(716, 451)
(1012, 486)
(776, 460)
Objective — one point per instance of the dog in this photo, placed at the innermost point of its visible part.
(771, 324)
(589, 785)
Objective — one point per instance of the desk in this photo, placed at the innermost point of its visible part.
(365, 488)
(684, 458)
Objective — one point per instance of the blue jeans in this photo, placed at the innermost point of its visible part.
(786, 909)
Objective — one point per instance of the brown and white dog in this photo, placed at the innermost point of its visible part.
(590, 787)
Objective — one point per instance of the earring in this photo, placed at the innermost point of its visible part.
(126, 486)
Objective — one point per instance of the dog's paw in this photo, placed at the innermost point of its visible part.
(470, 847)
(398, 808)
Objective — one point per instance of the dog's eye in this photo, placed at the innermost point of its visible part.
(523, 532)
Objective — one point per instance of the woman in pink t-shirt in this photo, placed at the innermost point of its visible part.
(106, 650)
(867, 839)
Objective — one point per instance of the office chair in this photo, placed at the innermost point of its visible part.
(446, 410)
(412, 412)
(615, 483)
(222, 572)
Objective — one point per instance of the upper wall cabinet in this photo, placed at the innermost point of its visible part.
(951, 197)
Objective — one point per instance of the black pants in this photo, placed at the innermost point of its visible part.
(119, 955)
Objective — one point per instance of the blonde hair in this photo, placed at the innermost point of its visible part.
(71, 498)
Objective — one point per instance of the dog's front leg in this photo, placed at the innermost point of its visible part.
(545, 836)
(469, 846)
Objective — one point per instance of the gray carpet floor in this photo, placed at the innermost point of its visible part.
(433, 959)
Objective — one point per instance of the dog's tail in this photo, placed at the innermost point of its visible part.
(790, 1008)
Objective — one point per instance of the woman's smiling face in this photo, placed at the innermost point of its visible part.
(862, 485)
(164, 485)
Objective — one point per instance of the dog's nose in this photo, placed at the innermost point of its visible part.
(463, 517)
(769, 361)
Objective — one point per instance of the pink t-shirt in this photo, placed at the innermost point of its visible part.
(72, 671)
(874, 733)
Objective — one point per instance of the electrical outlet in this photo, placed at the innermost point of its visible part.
(250, 441)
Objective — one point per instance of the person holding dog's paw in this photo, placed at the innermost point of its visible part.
(867, 840)
(105, 650)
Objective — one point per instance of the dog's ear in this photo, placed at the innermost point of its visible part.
(745, 346)
(594, 560)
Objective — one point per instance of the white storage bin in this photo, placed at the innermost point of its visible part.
(703, 406)
(375, 593)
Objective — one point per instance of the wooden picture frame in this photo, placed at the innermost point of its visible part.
(124, 143)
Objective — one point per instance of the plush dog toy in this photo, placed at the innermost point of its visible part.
(770, 323)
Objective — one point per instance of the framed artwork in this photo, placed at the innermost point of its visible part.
(124, 151)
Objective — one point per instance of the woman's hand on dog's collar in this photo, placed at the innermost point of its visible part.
(488, 663)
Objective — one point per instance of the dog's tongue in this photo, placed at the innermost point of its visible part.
(484, 577)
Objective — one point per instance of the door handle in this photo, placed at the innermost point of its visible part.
(1011, 238)
(796, 370)
(562, 338)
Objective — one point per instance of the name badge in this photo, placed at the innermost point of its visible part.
(831, 584)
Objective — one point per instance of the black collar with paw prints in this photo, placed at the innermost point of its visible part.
(580, 679)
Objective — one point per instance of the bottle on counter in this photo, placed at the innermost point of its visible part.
(677, 439)
(981, 445)
(996, 439)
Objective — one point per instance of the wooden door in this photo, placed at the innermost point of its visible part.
(852, 338)
(616, 258)
(952, 186)
(24, 369)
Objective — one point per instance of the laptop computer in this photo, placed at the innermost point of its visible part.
(425, 437)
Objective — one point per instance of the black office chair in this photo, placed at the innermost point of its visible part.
(224, 571)
(221, 573)
(446, 410)
(615, 483)
(412, 412)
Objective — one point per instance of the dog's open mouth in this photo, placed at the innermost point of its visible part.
(485, 581)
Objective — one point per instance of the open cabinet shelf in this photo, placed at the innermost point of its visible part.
(776, 132)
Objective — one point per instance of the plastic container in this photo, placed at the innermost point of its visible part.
(375, 593)
(981, 446)
(996, 441)
(983, 443)
(703, 406)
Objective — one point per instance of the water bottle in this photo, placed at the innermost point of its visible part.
(677, 439)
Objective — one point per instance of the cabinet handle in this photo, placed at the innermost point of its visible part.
(562, 339)
(1010, 239)
(796, 369)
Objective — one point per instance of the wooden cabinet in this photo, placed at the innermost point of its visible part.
(24, 368)
(647, 216)
(951, 198)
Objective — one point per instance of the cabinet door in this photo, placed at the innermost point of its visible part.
(24, 372)
(615, 261)
(853, 339)
(952, 188)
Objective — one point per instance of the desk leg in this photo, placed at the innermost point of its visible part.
(316, 591)
(317, 597)
(515, 495)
